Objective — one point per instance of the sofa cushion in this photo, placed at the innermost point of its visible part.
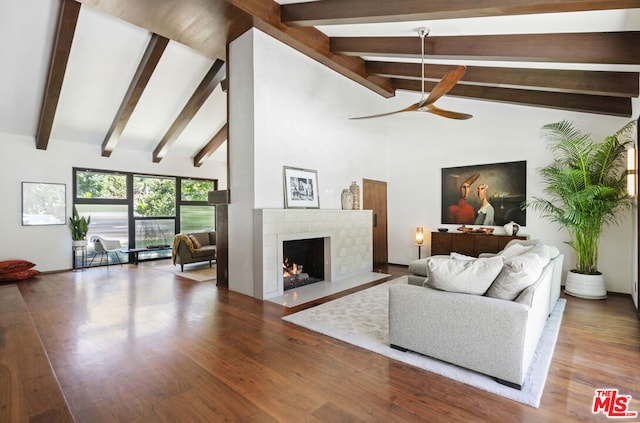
(419, 267)
(464, 276)
(519, 272)
(202, 237)
(518, 246)
(195, 242)
(552, 251)
(515, 249)
(206, 252)
(458, 256)
(417, 280)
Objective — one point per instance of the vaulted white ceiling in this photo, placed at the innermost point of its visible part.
(110, 40)
(104, 56)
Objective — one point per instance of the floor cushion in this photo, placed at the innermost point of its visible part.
(19, 275)
(10, 266)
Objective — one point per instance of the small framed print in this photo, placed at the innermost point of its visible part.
(300, 188)
(43, 204)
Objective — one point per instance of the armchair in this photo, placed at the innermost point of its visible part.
(104, 247)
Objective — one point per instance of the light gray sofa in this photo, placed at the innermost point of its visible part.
(493, 336)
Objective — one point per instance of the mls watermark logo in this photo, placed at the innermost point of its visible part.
(612, 404)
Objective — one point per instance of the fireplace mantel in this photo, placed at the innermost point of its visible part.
(348, 231)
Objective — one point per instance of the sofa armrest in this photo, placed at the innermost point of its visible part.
(556, 281)
(183, 250)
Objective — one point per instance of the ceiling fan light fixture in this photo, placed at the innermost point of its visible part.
(448, 81)
(422, 32)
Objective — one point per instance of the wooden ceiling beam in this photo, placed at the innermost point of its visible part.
(211, 80)
(604, 105)
(67, 20)
(146, 67)
(619, 84)
(599, 47)
(218, 139)
(204, 25)
(312, 43)
(335, 12)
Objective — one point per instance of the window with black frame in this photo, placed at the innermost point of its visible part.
(195, 214)
(141, 211)
(154, 213)
(103, 196)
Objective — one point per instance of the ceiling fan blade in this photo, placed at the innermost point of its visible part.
(447, 113)
(406, 109)
(445, 85)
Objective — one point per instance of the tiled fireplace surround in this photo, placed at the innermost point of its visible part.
(348, 243)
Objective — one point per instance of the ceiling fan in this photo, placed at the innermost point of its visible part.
(441, 88)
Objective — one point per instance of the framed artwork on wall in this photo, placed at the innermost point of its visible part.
(488, 195)
(44, 204)
(300, 188)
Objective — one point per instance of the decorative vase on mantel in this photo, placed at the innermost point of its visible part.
(355, 192)
(347, 199)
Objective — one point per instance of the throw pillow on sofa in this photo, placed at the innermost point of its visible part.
(515, 249)
(463, 276)
(195, 242)
(519, 273)
(458, 256)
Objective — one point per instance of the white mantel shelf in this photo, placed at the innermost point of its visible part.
(349, 231)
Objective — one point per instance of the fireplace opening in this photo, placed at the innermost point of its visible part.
(303, 262)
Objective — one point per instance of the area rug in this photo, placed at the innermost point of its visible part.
(362, 319)
(200, 272)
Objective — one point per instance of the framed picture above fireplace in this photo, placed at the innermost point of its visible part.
(300, 188)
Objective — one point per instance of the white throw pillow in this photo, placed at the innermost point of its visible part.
(552, 251)
(458, 256)
(464, 276)
(515, 250)
(519, 273)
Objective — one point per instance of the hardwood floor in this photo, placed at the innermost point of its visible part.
(137, 344)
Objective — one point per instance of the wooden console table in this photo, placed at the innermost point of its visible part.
(470, 244)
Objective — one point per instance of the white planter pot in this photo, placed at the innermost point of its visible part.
(590, 287)
(81, 243)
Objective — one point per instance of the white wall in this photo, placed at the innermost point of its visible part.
(300, 118)
(297, 116)
(423, 144)
(301, 112)
(240, 73)
(50, 246)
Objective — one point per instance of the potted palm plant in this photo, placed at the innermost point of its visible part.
(587, 187)
(79, 227)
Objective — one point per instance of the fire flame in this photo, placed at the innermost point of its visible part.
(290, 271)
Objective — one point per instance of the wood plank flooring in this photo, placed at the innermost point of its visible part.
(135, 344)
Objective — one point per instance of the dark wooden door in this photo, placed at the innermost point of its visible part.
(222, 245)
(374, 197)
